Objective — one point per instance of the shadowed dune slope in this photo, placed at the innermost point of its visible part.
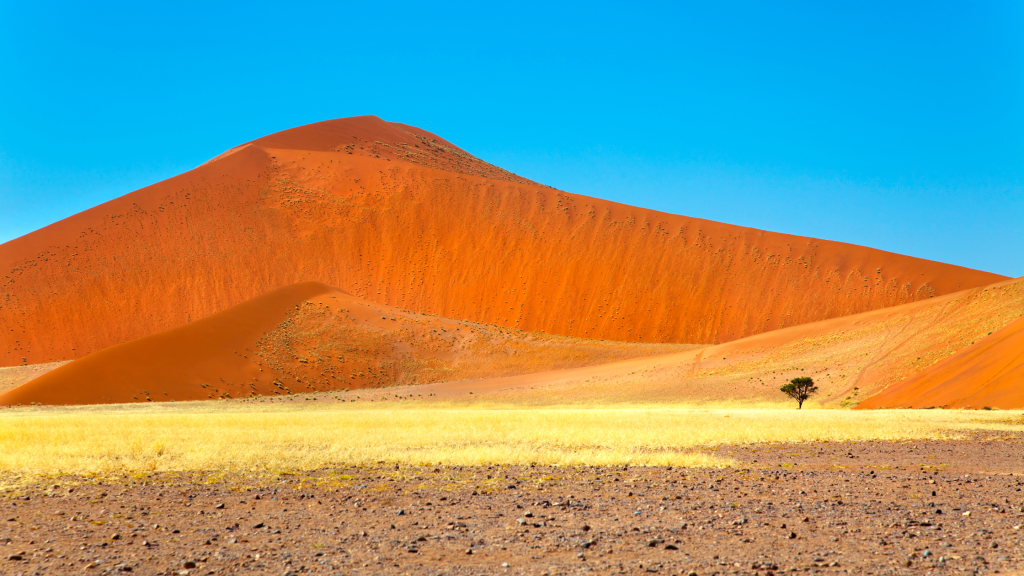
(398, 216)
(309, 337)
(186, 360)
(989, 373)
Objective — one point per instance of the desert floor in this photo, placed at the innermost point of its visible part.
(948, 501)
(880, 507)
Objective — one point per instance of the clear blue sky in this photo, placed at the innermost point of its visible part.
(893, 125)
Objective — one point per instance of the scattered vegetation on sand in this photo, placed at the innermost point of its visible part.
(184, 437)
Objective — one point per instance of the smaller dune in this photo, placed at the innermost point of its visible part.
(988, 374)
(310, 337)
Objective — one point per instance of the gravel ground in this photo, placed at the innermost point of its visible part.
(875, 508)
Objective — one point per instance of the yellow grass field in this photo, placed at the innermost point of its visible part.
(231, 436)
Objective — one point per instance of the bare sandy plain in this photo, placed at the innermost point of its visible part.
(879, 515)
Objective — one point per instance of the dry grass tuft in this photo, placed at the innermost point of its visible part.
(200, 436)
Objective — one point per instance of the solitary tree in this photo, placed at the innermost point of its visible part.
(800, 389)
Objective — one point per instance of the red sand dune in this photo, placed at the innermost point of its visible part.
(990, 373)
(308, 337)
(401, 217)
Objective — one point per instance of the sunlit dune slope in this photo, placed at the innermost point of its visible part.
(988, 374)
(403, 218)
(309, 337)
(850, 359)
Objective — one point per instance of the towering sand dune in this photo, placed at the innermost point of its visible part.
(401, 217)
(309, 337)
(990, 373)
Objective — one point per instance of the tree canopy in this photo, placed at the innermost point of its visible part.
(800, 389)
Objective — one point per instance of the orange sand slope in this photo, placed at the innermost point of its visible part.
(988, 374)
(850, 358)
(308, 337)
(400, 217)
